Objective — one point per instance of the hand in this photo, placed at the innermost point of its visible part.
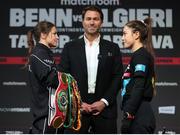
(125, 127)
(86, 108)
(97, 107)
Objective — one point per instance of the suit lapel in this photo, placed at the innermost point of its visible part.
(102, 51)
(82, 56)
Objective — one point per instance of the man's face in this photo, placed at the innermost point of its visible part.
(92, 22)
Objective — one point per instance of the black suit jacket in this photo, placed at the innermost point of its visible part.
(110, 69)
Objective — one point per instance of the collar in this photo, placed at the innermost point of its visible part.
(95, 41)
(42, 46)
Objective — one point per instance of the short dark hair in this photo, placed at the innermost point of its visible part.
(92, 8)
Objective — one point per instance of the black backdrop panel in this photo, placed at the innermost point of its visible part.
(15, 116)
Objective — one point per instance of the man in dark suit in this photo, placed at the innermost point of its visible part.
(96, 64)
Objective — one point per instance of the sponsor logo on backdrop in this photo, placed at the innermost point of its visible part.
(13, 132)
(13, 83)
(17, 109)
(166, 84)
(166, 110)
(90, 2)
(166, 131)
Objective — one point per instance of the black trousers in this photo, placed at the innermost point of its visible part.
(95, 125)
(41, 127)
(144, 122)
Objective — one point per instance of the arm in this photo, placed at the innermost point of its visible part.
(135, 99)
(140, 67)
(43, 71)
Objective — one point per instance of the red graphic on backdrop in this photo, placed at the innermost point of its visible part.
(22, 60)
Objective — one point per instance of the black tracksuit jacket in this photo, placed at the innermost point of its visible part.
(42, 77)
(137, 92)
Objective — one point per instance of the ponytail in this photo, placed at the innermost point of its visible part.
(148, 41)
(149, 48)
(31, 44)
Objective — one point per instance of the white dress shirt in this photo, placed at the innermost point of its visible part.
(92, 52)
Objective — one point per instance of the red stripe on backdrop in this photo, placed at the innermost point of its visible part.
(22, 60)
(168, 61)
(18, 60)
(159, 60)
(12, 60)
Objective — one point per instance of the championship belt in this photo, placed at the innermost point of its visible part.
(73, 110)
(65, 103)
(58, 102)
(77, 107)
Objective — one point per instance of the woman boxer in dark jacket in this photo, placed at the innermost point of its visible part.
(42, 73)
(138, 79)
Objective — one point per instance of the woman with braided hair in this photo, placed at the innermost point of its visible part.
(138, 79)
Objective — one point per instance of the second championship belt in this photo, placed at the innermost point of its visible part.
(65, 103)
(58, 101)
(74, 104)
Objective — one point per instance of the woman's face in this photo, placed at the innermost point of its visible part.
(52, 38)
(128, 38)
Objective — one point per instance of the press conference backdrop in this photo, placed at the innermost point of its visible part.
(17, 17)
